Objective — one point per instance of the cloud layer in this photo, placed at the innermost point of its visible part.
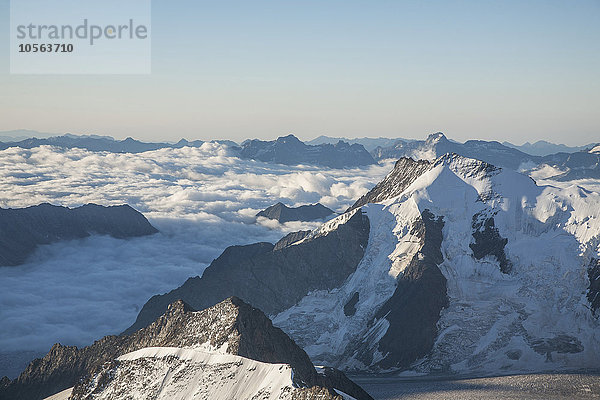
(201, 199)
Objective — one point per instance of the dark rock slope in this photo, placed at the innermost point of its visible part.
(406, 171)
(244, 331)
(593, 294)
(273, 278)
(488, 241)
(283, 213)
(414, 309)
(290, 150)
(23, 229)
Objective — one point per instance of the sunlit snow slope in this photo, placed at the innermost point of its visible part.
(176, 373)
(520, 265)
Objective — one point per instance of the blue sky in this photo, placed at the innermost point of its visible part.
(511, 70)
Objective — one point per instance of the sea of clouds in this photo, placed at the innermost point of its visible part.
(201, 199)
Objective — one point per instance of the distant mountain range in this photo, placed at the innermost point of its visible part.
(369, 144)
(539, 148)
(290, 150)
(567, 164)
(544, 148)
(283, 213)
(23, 229)
(437, 145)
(21, 134)
(98, 143)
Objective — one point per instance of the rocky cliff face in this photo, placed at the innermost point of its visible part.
(290, 150)
(231, 327)
(406, 171)
(283, 213)
(22, 230)
(593, 293)
(273, 278)
(414, 309)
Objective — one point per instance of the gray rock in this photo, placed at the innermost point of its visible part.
(558, 344)
(406, 171)
(23, 229)
(579, 165)
(271, 278)
(283, 213)
(593, 294)
(488, 241)
(414, 309)
(290, 238)
(514, 354)
(245, 330)
(350, 306)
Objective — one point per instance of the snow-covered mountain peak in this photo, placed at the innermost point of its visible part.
(481, 176)
(435, 138)
(458, 243)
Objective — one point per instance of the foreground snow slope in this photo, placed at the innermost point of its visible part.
(516, 259)
(176, 373)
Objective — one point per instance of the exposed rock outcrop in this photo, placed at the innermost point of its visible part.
(414, 309)
(406, 171)
(593, 293)
(350, 306)
(290, 238)
(273, 278)
(488, 241)
(231, 327)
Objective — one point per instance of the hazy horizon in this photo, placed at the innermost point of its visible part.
(507, 71)
(32, 133)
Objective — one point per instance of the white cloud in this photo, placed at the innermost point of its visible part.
(201, 199)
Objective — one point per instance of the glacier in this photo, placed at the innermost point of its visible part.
(535, 317)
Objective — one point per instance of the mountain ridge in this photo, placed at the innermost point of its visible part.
(23, 229)
(272, 277)
(230, 327)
